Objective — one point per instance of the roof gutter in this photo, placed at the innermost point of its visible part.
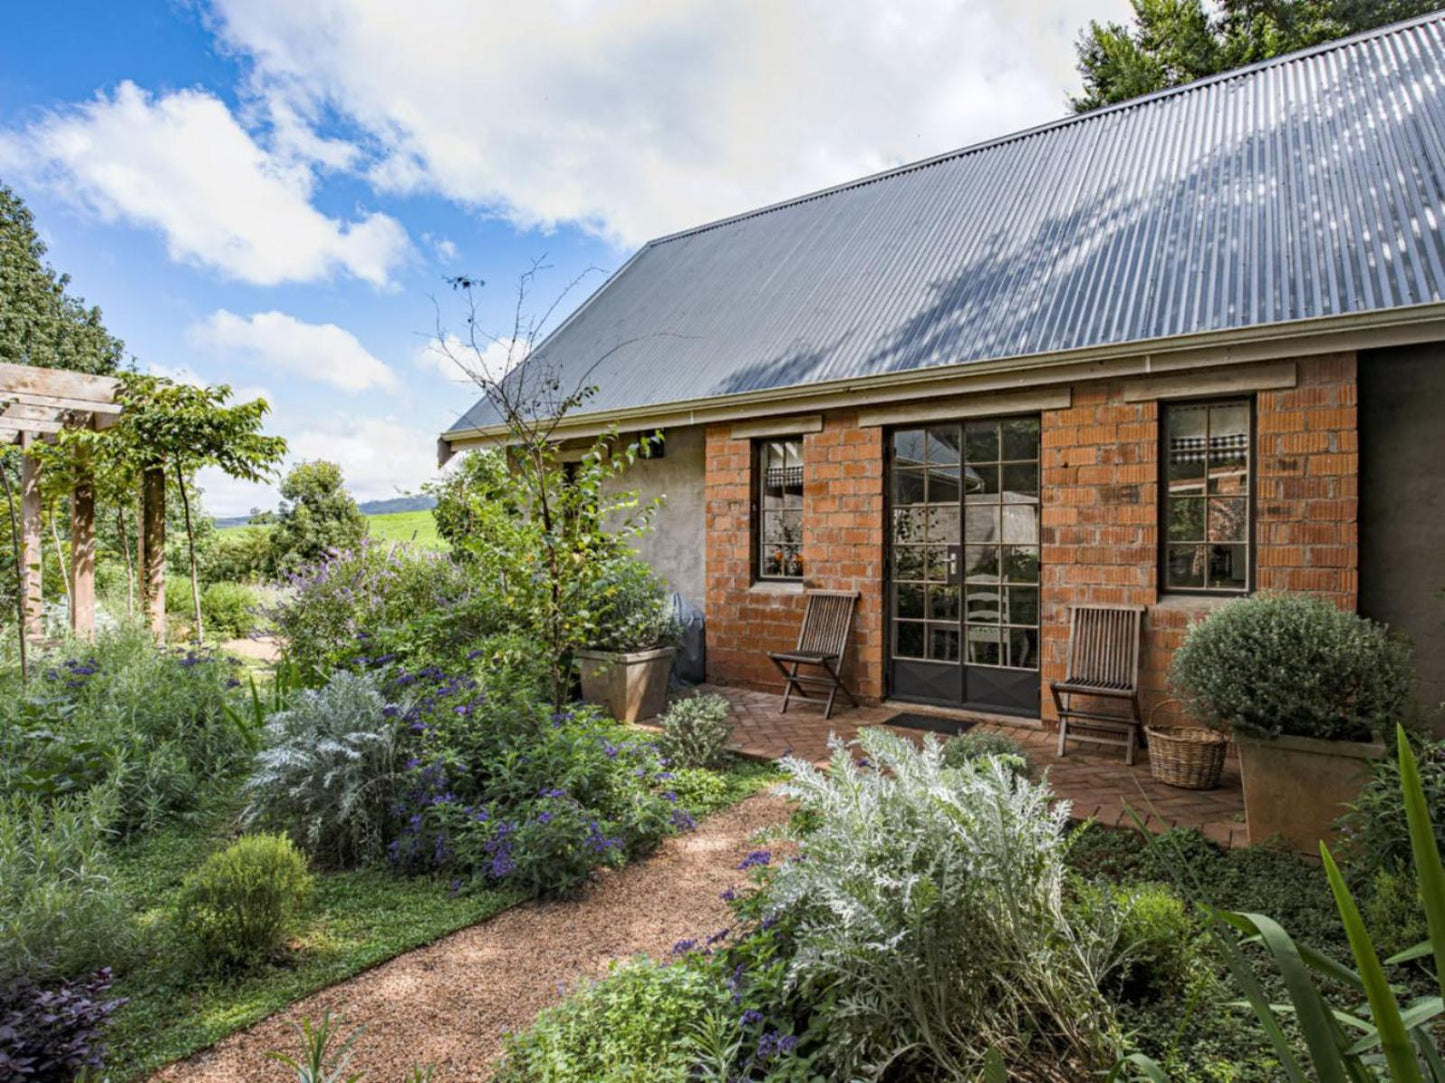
(1297, 338)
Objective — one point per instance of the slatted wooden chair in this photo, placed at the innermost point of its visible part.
(821, 644)
(1103, 663)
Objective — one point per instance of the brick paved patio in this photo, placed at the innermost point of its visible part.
(1095, 780)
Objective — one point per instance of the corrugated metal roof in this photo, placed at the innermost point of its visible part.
(1311, 185)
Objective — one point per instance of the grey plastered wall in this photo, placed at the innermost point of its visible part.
(1402, 503)
(676, 546)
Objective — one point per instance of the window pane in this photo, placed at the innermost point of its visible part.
(943, 525)
(942, 643)
(1228, 518)
(908, 562)
(943, 445)
(1021, 563)
(908, 640)
(910, 525)
(792, 453)
(1227, 567)
(980, 441)
(908, 487)
(1184, 566)
(1020, 483)
(980, 523)
(1187, 444)
(1021, 524)
(980, 563)
(983, 645)
(980, 484)
(1186, 518)
(943, 603)
(941, 566)
(1228, 448)
(1021, 438)
(943, 485)
(910, 601)
(1022, 647)
(983, 604)
(908, 445)
(782, 560)
(1023, 605)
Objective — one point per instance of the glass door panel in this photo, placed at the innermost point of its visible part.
(964, 595)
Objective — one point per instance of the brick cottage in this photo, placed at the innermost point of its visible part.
(1163, 354)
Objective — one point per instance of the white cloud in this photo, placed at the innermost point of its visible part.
(379, 457)
(322, 352)
(181, 164)
(498, 358)
(643, 116)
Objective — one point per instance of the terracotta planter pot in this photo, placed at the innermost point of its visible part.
(632, 686)
(1296, 787)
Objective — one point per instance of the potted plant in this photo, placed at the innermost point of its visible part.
(1306, 689)
(626, 666)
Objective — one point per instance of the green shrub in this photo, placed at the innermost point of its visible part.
(633, 608)
(392, 602)
(696, 730)
(1160, 941)
(328, 774)
(973, 744)
(630, 1027)
(153, 722)
(241, 905)
(1394, 912)
(1375, 834)
(1290, 664)
(238, 555)
(59, 915)
(229, 609)
(928, 901)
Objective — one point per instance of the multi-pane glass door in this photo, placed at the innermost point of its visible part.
(964, 564)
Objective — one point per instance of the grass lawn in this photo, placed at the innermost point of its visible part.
(417, 527)
(360, 918)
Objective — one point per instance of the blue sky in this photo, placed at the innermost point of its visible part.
(271, 194)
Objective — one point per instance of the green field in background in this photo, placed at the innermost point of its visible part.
(416, 527)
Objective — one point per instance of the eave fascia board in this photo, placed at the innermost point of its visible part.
(1272, 342)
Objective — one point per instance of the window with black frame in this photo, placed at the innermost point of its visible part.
(779, 474)
(1208, 530)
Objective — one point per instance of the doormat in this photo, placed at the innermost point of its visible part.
(914, 720)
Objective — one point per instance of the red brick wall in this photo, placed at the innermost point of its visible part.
(1099, 527)
(842, 546)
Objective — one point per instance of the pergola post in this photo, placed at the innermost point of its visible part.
(153, 548)
(82, 554)
(30, 553)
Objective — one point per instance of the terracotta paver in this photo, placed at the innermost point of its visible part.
(1096, 780)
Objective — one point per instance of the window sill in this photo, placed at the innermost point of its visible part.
(777, 586)
(1193, 602)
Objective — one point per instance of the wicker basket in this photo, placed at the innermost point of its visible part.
(1189, 757)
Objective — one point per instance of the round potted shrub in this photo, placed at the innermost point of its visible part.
(1306, 688)
(626, 666)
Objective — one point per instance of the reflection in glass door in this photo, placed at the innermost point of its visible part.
(964, 589)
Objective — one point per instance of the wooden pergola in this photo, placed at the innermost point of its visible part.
(36, 404)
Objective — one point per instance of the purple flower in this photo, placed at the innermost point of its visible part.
(729, 895)
(682, 947)
(718, 937)
(683, 820)
(544, 817)
(754, 859)
(751, 1018)
(472, 656)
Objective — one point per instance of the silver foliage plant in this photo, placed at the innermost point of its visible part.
(696, 731)
(928, 904)
(328, 772)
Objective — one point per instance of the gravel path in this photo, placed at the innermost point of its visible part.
(448, 1004)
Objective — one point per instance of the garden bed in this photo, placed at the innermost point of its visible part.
(449, 1003)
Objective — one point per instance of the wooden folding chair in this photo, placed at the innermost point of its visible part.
(1103, 663)
(821, 643)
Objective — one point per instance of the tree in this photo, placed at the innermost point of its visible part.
(549, 531)
(317, 515)
(1172, 42)
(180, 428)
(40, 322)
